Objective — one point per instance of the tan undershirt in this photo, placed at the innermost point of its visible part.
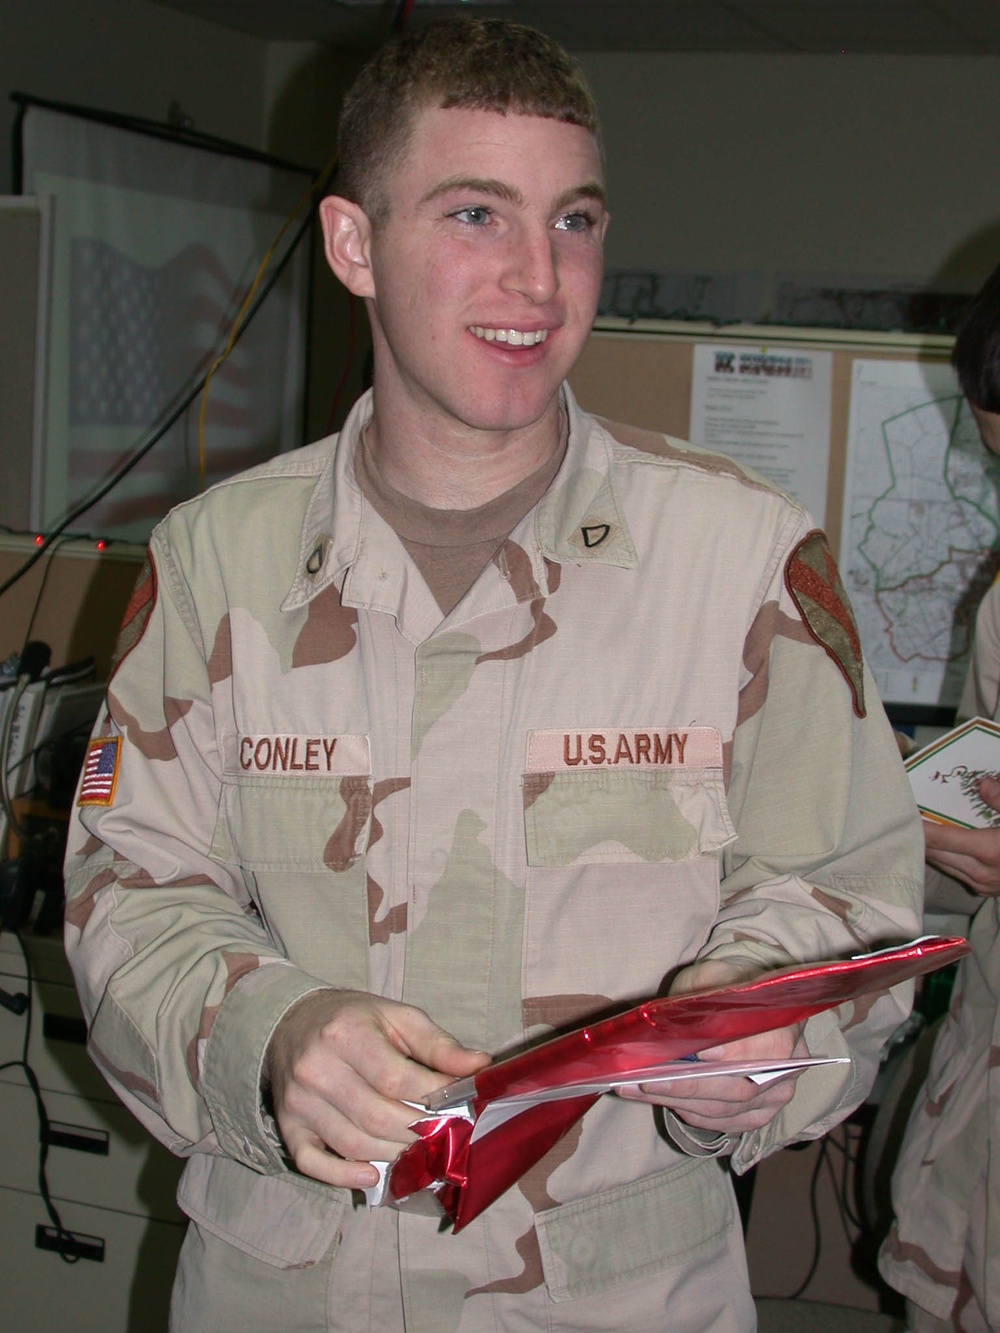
(451, 547)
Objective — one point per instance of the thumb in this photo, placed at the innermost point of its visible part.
(989, 790)
(423, 1040)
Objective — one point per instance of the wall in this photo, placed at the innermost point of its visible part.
(305, 87)
(870, 165)
(132, 57)
(138, 58)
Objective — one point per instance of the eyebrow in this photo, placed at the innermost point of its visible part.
(501, 190)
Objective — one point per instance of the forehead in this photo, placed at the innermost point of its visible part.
(540, 157)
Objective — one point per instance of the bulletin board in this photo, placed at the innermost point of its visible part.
(912, 499)
(640, 372)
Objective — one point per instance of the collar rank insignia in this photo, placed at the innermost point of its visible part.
(595, 534)
(813, 581)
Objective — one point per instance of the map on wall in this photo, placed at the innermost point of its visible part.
(921, 528)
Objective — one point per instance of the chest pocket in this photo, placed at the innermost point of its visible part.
(620, 797)
(294, 803)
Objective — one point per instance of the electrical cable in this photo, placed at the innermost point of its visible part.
(31, 664)
(178, 411)
(839, 1187)
(14, 824)
(41, 588)
(242, 319)
(817, 1228)
(65, 1241)
(402, 15)
(848, 1169)
(851, 1223)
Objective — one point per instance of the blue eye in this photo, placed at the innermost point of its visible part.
(476, 216)
(575, 222)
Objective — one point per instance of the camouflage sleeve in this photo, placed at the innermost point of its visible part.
(179, 982)
(828, 860)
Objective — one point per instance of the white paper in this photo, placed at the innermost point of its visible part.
(769, 408)
(761, 1071)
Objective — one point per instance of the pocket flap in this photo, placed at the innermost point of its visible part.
(287, 1221)
(634, 1230)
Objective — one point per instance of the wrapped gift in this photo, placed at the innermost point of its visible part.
(484, 1132)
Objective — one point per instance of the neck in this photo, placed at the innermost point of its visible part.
(458, 467)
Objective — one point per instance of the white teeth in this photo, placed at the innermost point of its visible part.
(513, 337)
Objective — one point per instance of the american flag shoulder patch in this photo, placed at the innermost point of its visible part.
(100, 771)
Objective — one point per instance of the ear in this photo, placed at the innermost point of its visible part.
(347, 242)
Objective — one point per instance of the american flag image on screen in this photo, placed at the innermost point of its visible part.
(100, 772)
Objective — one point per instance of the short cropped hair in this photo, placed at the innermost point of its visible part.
(976, 354)
(472, 63)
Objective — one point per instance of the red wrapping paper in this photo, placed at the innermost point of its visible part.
(466, 1173)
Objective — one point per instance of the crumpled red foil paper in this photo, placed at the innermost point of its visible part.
(465, 1170)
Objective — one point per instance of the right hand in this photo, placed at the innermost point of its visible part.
(341, 1065)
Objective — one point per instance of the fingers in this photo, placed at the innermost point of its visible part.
(728, 1104)
(347, 1072)
(731, 1103)
(971, 856)
(989, 790)
(337, 1146)
(419, 1037)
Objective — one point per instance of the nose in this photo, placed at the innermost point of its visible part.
(531, 267)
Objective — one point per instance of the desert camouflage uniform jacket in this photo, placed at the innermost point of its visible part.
(943, 1250)
(625, 749)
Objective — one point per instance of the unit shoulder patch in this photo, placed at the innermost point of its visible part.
(813, 582)
(137, 613)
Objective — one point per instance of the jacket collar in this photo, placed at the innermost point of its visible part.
(578, 521)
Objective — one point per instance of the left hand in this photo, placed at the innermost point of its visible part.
(971, 856)
(730, 1103)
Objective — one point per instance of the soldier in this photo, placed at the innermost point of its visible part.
(487, 714)
(943, 1250)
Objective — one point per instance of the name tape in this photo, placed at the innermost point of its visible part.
(637, 747)
(293, 755)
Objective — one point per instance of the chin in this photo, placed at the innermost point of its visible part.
(507, 415)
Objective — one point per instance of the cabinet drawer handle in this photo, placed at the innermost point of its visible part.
(79, 1138)
(59, 1027)
(70, 1244)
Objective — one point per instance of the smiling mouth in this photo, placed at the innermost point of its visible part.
(512, 337)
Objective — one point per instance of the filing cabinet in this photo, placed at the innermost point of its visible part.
(112, 1185)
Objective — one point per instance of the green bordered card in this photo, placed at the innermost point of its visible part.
(945, 775)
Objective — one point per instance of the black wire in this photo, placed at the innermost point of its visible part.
(814, 1211)
(154, 129)
(41, 589)
(402, 14)
(838, 1189)
(849, 1163)
(186, 401)
(66, 1242)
